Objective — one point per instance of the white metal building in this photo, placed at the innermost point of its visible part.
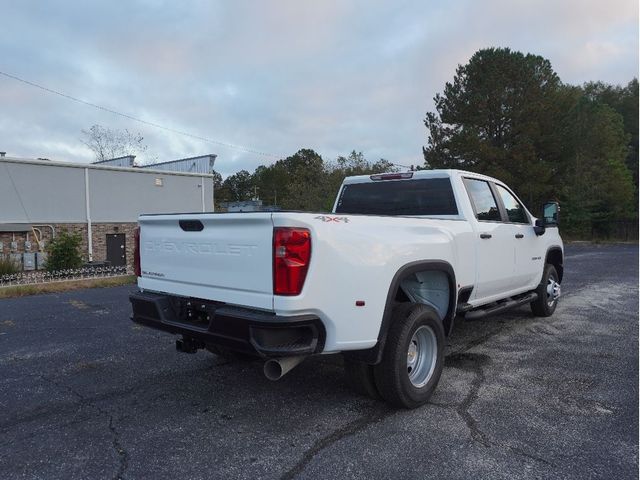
(99, 201)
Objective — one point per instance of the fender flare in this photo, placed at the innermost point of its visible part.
(555, 253)
(373, 355)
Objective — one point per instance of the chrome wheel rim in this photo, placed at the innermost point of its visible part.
(553, 291)
(422, 356)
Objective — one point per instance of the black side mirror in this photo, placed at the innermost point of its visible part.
(539, 227)
(551, 213)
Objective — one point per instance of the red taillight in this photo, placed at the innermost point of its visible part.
(291, 255)
(136, 252)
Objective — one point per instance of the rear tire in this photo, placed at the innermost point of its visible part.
(546, 303)
(413, 357)
(360, 376)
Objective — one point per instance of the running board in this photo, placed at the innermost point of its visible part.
(464, 307)
(501, 306)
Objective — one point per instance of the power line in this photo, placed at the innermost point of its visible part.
(139, 120)
(24, 209)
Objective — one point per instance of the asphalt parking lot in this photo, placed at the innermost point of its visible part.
(84, 393)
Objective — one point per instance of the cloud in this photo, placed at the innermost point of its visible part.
(276, 77)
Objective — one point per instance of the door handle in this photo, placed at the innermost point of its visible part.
(485, 235)
(519, 235)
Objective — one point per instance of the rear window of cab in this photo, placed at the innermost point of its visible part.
(428, 196)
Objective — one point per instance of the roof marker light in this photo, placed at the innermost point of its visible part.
(391, 176)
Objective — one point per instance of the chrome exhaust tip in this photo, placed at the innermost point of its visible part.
(276, 368)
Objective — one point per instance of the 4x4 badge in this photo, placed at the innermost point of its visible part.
(328, 218)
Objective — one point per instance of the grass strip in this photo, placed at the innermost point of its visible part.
(65, 285)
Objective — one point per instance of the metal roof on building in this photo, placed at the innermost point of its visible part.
(127, 161)
(202, 164)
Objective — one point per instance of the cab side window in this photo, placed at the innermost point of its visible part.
(484, 203)
(515, 210)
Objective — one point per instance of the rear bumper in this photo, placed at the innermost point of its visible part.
(235, 328)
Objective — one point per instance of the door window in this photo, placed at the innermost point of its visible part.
(482, 199)
(515, 210)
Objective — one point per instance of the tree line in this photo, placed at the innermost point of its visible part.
(508, 115)
(302, 181)
(504, 114)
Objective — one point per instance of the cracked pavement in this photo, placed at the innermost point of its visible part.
(84, 393)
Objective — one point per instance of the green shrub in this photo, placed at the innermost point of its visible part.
(7, 267)
(63, 252)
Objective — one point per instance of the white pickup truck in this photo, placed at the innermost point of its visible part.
(380, 279)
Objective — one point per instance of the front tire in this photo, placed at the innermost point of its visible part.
(548, 293)
(413, 357)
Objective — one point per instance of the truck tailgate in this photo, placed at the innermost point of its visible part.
(221, 257)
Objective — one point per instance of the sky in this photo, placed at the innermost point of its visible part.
(276, 76)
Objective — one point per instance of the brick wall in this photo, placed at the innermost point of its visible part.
(20, 237)
(7, 237)
(99, 238)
